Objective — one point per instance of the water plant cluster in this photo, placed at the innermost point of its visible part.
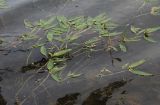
(3, 4)
(60, 38)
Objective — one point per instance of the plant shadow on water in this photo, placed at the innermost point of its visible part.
(35, 65)
(97, 97)
(2, 100)
(69, 99)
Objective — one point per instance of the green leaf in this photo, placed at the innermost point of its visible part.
(3, 4)
(114, 33)
(43, 51)
(50, 37)
(61, 40)
(134, 29)
(73, 75)
(28, 36)
(141, 31)
(149, 39)
(50, 21)
(38, 45)
(138, 63)
(90, 21)
(81, 26)
(50, 64)
(155, 10)
(134, 39)
(123, 47)
(141, 73)
(56, 77)
(125, 66)
(92, 41)
(73, 37)
(62, 52)
(114, 48)
(154, 29)
(57, 69)
(28, 24)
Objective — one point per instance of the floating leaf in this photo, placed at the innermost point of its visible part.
(123, 47)
(61, 40)
(56, 77)
(134, 39)
(92, 40)
(155, 10)
(141, 73)
(50, 21)
(38, 45)
(125, 66)
(73, 75)
(43, 51)
(112, 34)
(114, 48)
(50, 37)
(3, 4)
(50, 64)
(27, 36)
(73, 37)
(134, 29)
(154, 29)
(57, 69)
(149, 39)
(141, 31)
(81, 26)
(28, 24)
(62, 52)
(138, 63)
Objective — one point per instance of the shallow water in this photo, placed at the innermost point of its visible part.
(118, 89)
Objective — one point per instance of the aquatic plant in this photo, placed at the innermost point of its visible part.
(133, 68)
(3, 4)
(60, 39)
(155, 10)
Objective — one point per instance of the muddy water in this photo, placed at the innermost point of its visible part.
(119, 89)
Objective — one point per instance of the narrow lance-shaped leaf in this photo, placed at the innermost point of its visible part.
(155, 10)
(73, 37)
(154, 29)
(50, 64)
(134, 29)
(134, 39)
(43, 51)
(123, 47)
(92, 40)
(149, 39)
(141, 73)
(73, 75)
(125, 66)
(138, 63)
(50, 37)
(28, 24)
(50, 21)
(62, 52)
(112, 34)
(56, 77)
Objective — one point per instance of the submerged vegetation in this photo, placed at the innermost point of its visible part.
(60, 38)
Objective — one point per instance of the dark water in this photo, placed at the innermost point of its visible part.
(118, 89)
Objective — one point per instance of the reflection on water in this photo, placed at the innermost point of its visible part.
(101, 96)
(97, 97)
(2, 100)
(69, 99)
